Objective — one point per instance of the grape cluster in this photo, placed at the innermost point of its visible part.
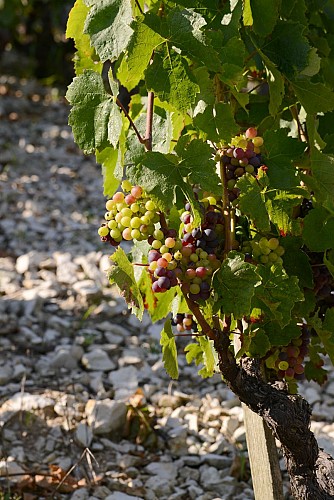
(130, 215)
(240, 157)
(263, 250)
(288, 361)
(184, 322)
(323, 283)
(190, 260)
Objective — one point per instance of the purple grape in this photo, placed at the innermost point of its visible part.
(187, 238)
(164, 283)
(209, 235)
(212, 217)
(160, 271)
(255, 162)
(238, 153)
(153, 255)
(155, 287)
(196, 233)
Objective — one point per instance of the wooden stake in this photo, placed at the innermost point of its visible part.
(263, 458)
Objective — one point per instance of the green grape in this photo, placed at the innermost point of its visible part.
(150, 205)
(103, 231)
(135, 207)
(112, 224)
(194, 288)
(156, 244)
(126, 212)
(273, 257)
(126, 185)
(136, 234)
(158, 234)
(126, 221)
(279, 250)
(273, 243)
(115, 234)
(283, 365)
(264, 259)
(135, 222)
(110, 205)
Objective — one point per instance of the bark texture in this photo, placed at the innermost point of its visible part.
(311, 470)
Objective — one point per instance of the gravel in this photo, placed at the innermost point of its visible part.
(82, 386)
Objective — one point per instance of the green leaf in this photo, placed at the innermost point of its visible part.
(264, 18)
(322, 167)
(234, 284)
(85, 57)
(109, 159)
(326, 333)
(314, 97)
(296, 262)
(279, 336)
(276, 84)
(163, 304)
(171, 80)
(217, 123)
(318, 232)
(92, 110)
(108, 25)
(329, 261)
(251, 202)
(247, 17)
(169, 351)
(196, 159)
(183, 29)
(121, 273)
(280, 205)
(138, 55)
(160, 175)
(255, 343)
(280, 152)
(288, 48)
(208, 357)
(194, 353)
(277, 293)
(314, 64)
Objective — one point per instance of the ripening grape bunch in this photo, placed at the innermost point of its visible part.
(184, 323)
(189, 260)
(130, 215)
(242, 156)
(265, 251)
(288, 361)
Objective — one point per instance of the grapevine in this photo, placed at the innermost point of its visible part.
(218, 180)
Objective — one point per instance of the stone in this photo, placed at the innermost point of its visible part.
(6, 373)
(83, 435)
(63, 358)
(118, 495)
(81, 494)
(97, 360)
(87, 289)
(165, 470)
(106, 416)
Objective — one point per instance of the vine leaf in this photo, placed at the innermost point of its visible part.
(108, 25)
(323, 172)
(280, 152)
(280, 205)
(318, 231)
(276, 84)
(138, 54)
(235, 284)
(169, 351)
(109, 159)
(208, 357)
(217, 122)
(279, 336)
(160, 175)
(296, 262)
(255, 343)
(196, 159)
(163, 304)
(121, 273)
(314, 97)
(264, 19)
(277, 293)
(183, 29)
(325, 331)
(85, 57)
(252, 202)
(92, 110)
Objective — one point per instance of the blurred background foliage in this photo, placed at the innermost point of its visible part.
(32, 40)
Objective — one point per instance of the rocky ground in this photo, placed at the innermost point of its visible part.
(86, 408)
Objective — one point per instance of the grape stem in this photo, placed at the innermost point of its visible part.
(189, 335)
(194, 308)
(226, 209)
(140, 138)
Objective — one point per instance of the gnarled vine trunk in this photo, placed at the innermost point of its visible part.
(311, 470)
